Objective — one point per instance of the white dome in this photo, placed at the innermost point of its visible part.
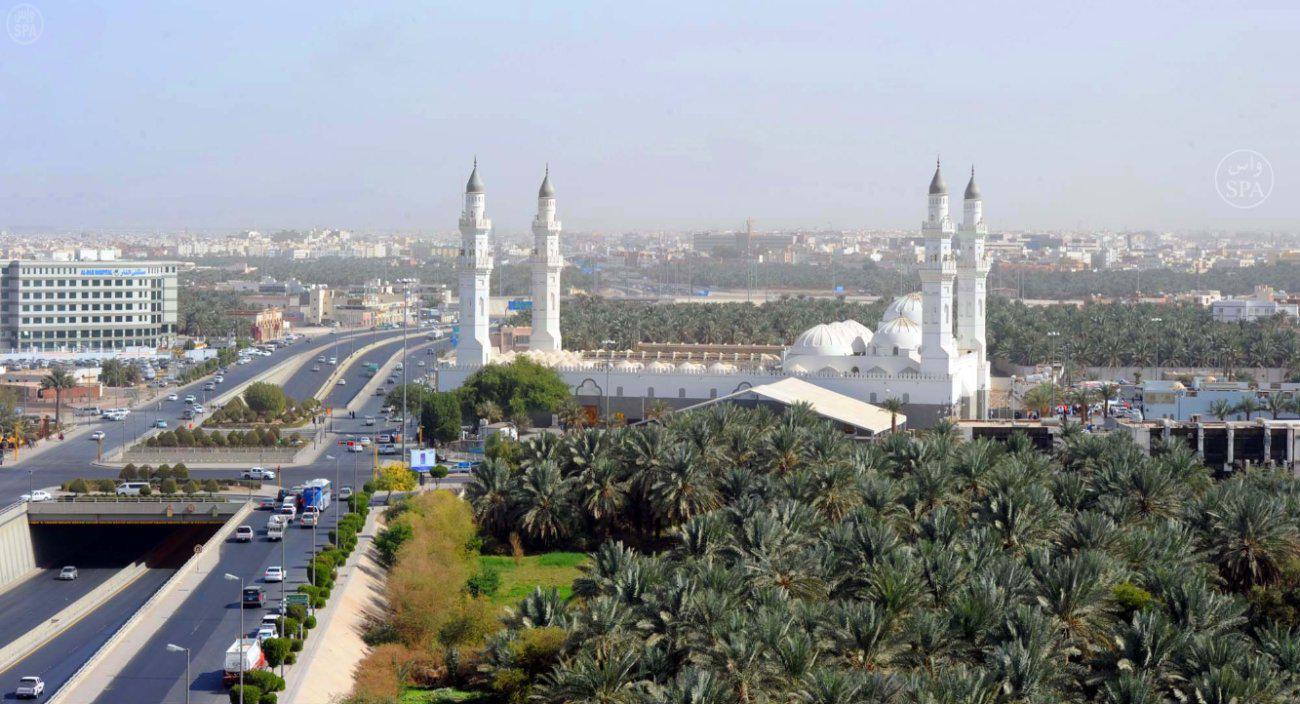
(796, 369)
(658, 366)
(722, 368)
(859, 335)
(628, 366)
(691, 367)
(898, 332)
(908, 306)
(822, 341)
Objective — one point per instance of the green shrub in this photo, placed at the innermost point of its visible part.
(211, 486)
(290, 659)
(310, 623)
(264, 680)
(128, 473)
(298, 612)
(168, 486)
(268, 698)
(165, 470)
(249, 693)
(275, 649)
(485, 583)
(191, 487)
(296, 645)
(78, 486)
(289, 626)
(180, 471)
(146, 491)
(105, 485)
(1130, 598)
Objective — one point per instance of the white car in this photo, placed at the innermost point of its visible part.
(258, 473)
(38, 495)
(29, 688)
(334, 360)
(315, 367)
(274, 573)
(343, 382)
(356, 447)
(97, 435)
(266, 632)
(173, 397)
(190, 398)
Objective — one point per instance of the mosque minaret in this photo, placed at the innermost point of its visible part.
(547, 265)
(475, 344)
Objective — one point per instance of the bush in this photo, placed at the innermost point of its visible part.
(146, 491)
(276, 649)
(165, 470)
(268, 698)
(310, 623)
(191, 487)
(249, 693)
(290, 659)
(485, 583)
(168, 486)
(265, 399)
(128, 473)
(105, 485)
(264, 680)
(295, 645)
(390, 540)
(1130, 598)
(211, 486)
(180, 471)
(298, 612)
(289, 626)
(78, 486)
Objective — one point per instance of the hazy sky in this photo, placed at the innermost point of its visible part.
(652, 115)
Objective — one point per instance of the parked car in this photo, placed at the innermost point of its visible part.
(29, 688)
(274, 573)
(254, 597)
(258, 473)
(37, 495)
(244, 534)
(68, 573)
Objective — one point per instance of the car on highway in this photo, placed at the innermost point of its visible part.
(369, 420)
(379, 392)
(244, 534)
(315, 367)
(258, 473)
(131, 488)
(219, 379)
(29, 688)
(288, 512)
(343, 382)
(321, 359)
(97, 435)
(355, 447)
(37, 495)
(420, 363)
(173, 397)
(388, 448)
(198, 408)
(345, 493)
(267, 503)
(160, 423)
(245, 360)
(266, 632)
(254, 597)
(271, 620)
(310, 517)
(365, 441)
(274, 573)
(190, 398)
(334, 360)
(68, 573)
(209, 386)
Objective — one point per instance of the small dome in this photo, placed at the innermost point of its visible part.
(691, 367)
(796, 369)
(546, 191)
(658, 366)
(902, 333)
(475, 184)
(629, 366)
(721, 368)
(822, 340)
(937, 186)
(908, 306)
(859, 335)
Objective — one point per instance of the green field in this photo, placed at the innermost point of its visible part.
(552, 569)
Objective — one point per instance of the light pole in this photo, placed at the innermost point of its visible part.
(29, 485)
(239, 642)
(179, 649)
(406, 306)
(1157, 321)
(337, 487)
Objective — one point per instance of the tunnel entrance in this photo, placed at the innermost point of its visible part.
(116, 546)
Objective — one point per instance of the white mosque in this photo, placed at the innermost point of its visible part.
(928, 349)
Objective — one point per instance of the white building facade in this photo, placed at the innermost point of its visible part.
(474, 346)
(928, 351)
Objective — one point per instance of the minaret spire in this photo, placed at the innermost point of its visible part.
(474, 347)
(547, 265)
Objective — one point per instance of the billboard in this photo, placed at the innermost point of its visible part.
(423, 460)
(519, 305)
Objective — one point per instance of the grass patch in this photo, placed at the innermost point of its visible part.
(443, 695)
(552, 569)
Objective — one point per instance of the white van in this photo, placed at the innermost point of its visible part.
(130, 488)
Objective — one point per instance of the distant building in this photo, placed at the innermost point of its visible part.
(87, 306)
(263, 324)
(1261, 304)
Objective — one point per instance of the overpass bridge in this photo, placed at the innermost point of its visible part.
(131, 510)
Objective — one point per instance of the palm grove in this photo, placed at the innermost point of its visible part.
(738, 556)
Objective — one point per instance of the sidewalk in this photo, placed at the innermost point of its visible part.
(334, 648)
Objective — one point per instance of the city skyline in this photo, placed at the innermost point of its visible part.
(367, 118)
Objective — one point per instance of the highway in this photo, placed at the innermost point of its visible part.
(210, 619)
(30, 604)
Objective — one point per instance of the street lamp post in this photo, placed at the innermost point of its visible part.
(239, 642)
(179, 649)
(608, 345)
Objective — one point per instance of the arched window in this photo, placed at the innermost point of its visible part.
(873, 396)
(681, 393)
(650, 392)
(855, 370)
(713, 393)
(895, 350)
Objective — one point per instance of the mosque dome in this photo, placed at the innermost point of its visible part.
(721, 368)
(908, 306)
(660, 366)
(691, 367)
(796, 369)
(899, 332)
(859, 334)
(629, 366)
(822, 341)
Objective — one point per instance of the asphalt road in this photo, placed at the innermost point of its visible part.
(31, 602)
(210, 616)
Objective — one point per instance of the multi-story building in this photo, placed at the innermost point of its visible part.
(1262, 304)
(86, 306)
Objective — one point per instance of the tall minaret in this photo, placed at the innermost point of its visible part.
(474, 346)
(547, 264)
(937, 350)
(972, 283)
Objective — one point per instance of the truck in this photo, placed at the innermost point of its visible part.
(372, 368)
(244, 655)
(315, 494)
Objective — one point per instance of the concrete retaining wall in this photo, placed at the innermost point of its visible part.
(17, 559)
(87, 682)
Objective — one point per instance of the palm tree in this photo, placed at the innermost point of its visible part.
(59, 380)
(1222, 408)
(895, 406)
(489, 411)
(1106, 393)
(544, 504)
(1278, 403)
(489, 493)
(1043, 398)
(602, 492)
(1249, 405)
